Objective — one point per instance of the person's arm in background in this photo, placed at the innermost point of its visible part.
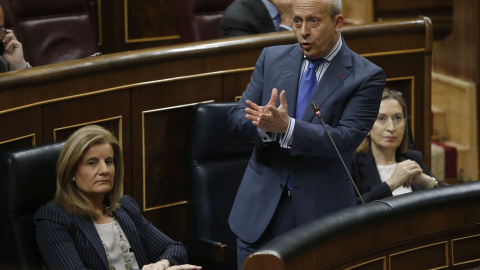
(237, 21)
(284, 8)
(13, 53)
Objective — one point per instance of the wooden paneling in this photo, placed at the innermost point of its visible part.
(160, 120)
(457, 126)
(235, 83)
(130, 25)
(375, 264)
(149, 20)
(431, 257)
(465, 250)
(18, 143)
(439, 11)
(21, 129)
(358, 11)
(458, 56)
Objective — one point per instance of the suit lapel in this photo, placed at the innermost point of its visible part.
(262, 16)
(336, 73)
(369, 169)
(290, 76)
(88, 229)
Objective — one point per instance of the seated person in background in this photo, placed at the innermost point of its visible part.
(89, 225)
(248, 17)
(383, 166)
(11, 52)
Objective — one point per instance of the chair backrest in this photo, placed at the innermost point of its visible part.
(54, 31)
(28, 181)
(200, 19)
(216, 167)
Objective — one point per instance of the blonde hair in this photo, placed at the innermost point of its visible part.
(78, 143)
(364, 147)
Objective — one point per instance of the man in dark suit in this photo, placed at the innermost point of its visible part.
(11, 52)
(248, 17)
(294, 175)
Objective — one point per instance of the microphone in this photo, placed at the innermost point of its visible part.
(317, 112)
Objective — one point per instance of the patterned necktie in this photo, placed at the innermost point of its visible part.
(277, 21)
(307, 86)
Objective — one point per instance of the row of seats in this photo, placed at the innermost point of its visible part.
(72, 34)
(200, 19)
(56, 31)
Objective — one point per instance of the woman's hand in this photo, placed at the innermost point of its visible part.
(184, 267)
(166, 265)
(404, 174)
(425, 180)
(160, 265)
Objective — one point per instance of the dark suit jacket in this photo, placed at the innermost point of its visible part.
(72, 242)
(367, 178)
(4, 67)
(349, 97)
(246, 17)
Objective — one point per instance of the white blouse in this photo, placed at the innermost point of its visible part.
(110, 235)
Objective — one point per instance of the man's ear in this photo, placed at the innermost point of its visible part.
(338, 22)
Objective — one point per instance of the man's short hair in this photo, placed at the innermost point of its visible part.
(336, 8)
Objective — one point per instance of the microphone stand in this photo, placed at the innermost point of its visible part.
(317, 112)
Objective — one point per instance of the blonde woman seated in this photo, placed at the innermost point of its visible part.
(89, 225)
(383, 166)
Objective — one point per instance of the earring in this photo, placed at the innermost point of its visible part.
(73, 179)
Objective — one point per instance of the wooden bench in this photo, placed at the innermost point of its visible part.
(428, 229)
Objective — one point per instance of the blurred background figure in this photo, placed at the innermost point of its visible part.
(248, 17)
(11, 51)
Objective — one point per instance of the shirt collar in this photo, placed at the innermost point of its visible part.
(272, 10)
(333, 52)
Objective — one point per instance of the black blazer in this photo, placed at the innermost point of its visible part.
(246, 17)
(367, 178)
(72, 242)
(4, 67)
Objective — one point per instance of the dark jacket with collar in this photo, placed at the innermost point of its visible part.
(367, 178)
(4, 66)
(246, 17)
(72, 242)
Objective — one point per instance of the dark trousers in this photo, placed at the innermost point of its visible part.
(282, 221)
